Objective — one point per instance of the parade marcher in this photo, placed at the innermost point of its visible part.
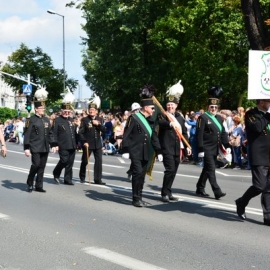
(211, 136)
(64, 133)
(90, 132)
(139, 140)
(135, 108)
(257, 121)
(171, 144)
(3, 144)
(38, 138)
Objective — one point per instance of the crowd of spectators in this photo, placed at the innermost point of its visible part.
(233, 121)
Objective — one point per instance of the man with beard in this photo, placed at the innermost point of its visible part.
(211, 135)
(171, 146)
(64, 131)
(90, 132)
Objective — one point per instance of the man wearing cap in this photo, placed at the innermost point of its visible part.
(257, 123)
(64, 132)
(211, 135)
(91, 129)
(38, 137)
(171, 145)
(138, 142)
(135, 107)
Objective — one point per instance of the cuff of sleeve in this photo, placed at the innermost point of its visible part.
(200, 149)
(27, 147)
(158, 152)
(54, 144)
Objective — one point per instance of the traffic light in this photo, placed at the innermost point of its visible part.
(28, 104)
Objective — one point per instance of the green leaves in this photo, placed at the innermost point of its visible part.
(39, 65)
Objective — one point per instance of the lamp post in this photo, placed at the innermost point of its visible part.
(64, 70)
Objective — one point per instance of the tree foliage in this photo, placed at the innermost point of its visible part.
(132, 43)
(39, 65)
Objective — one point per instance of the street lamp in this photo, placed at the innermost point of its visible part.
(64, 70)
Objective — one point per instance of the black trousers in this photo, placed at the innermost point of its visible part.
(208, 172)
(171, 164)
(260, 185)
(37, 168)
(97, 166)
(139, 168)
(66, 161)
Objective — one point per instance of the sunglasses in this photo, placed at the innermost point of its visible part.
(213, 107)
(66, 111)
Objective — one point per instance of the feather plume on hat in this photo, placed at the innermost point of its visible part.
(68, 97)
(41, 94)
(94, 102)
(147, 92)
(215, 92)
(175, 92)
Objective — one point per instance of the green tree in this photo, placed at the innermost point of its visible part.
(39, 65)
(131, 43)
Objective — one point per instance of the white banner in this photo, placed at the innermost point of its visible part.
(259, 75)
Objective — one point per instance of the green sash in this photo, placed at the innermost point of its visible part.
(142, 119)
(215, 120)
(147, 129)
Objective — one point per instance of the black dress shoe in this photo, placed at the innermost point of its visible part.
(172, 198)
(99, 183)
(40, 190)
(202, 193)
(68, 183)
(240, 210)
(220, 195)
(137, 203)
(82, 180)
(30, 189)
(266, 222)
(165, 199)
(56, 179)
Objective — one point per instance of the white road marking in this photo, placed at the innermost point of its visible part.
(3, 216)
(120, 259)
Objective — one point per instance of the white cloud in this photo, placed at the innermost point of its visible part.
(27, 21)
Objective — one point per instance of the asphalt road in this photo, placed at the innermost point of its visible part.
(86, 226)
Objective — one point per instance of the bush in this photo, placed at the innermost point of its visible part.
(7, 113)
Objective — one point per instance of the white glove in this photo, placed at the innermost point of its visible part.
(201, 154)
(160, 158)
(126, 156)
(228, 150)
(27, 153)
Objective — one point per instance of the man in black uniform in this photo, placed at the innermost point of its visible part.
(91, 129)
(138, 142)
(65, 138)
(171, 145)
(211, 135)
(257, 123)
(37, 140)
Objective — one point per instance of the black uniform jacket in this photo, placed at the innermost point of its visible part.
(169, 141)
(209, 137)
(90, 133)
(136, 140)
(64, 133)
(258, 136)
(38, 134)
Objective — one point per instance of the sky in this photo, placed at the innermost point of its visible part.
(27, 21)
